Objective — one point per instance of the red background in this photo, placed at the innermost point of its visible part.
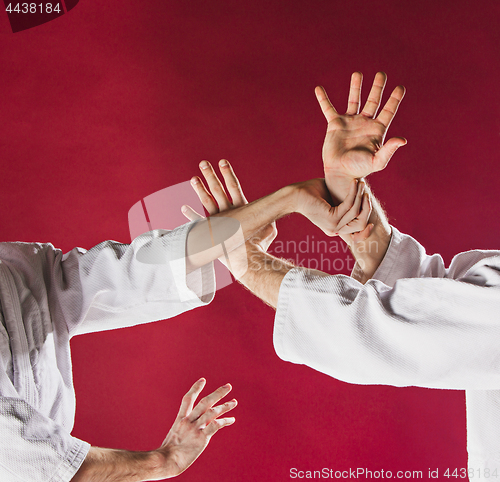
(120, 98)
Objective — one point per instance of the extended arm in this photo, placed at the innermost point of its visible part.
(260, 272)
(417, 323)
(308, 198)
(437, 329)
(265, 274)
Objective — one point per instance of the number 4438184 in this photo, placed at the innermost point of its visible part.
(34, 8)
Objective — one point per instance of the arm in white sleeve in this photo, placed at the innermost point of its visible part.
(106, 287)
(34, 448)
(440, 332)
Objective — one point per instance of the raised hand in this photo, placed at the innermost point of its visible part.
(354, 143)
(215, 199)
(194, 427)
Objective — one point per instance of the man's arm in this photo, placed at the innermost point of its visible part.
(265, 273)
(419, 323)
(109, 465)
(188, 437)
(354, 148)
(260, 272)
(309, 198)
(407, 327)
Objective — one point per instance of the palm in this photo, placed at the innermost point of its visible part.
(351, 143)
(354, 144)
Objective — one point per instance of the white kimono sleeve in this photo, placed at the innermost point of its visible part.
(415, 323)
(107, 287)
(34, 447)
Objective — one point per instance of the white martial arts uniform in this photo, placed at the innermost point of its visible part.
(46, 298)
(414, 323)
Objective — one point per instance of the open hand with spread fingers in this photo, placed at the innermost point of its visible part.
(193, 428)
(354, 143)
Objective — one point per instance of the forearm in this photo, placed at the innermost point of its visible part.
(109, 465)
(264, 272)
(234, 227)
(369, 252)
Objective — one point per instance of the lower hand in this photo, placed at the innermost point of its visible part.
(193, 428)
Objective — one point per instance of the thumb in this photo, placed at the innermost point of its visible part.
(384, 154)
(190, 213)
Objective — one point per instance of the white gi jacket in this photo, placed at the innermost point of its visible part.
(415, 323)
(46, 298)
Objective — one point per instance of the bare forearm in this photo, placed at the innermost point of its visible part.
(109, 465)
(234, 227)
(370, 252)
(264, 274)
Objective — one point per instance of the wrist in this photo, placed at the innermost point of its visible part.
(338, 184)
(287, 202)
(160, 465)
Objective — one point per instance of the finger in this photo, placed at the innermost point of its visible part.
(366, 209)
(326, 106)
(348, 202)
(391, 106)
(208, 402)
(190, 213)
(215, 186)
(354, 93)
(205, 197)
(362, 235)
(354, 211)
(384, 154)
(375, 95)
(218, 424)
(215, 412)
(364, 215)
(232, 183)
(359, 222)
(190, 397)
